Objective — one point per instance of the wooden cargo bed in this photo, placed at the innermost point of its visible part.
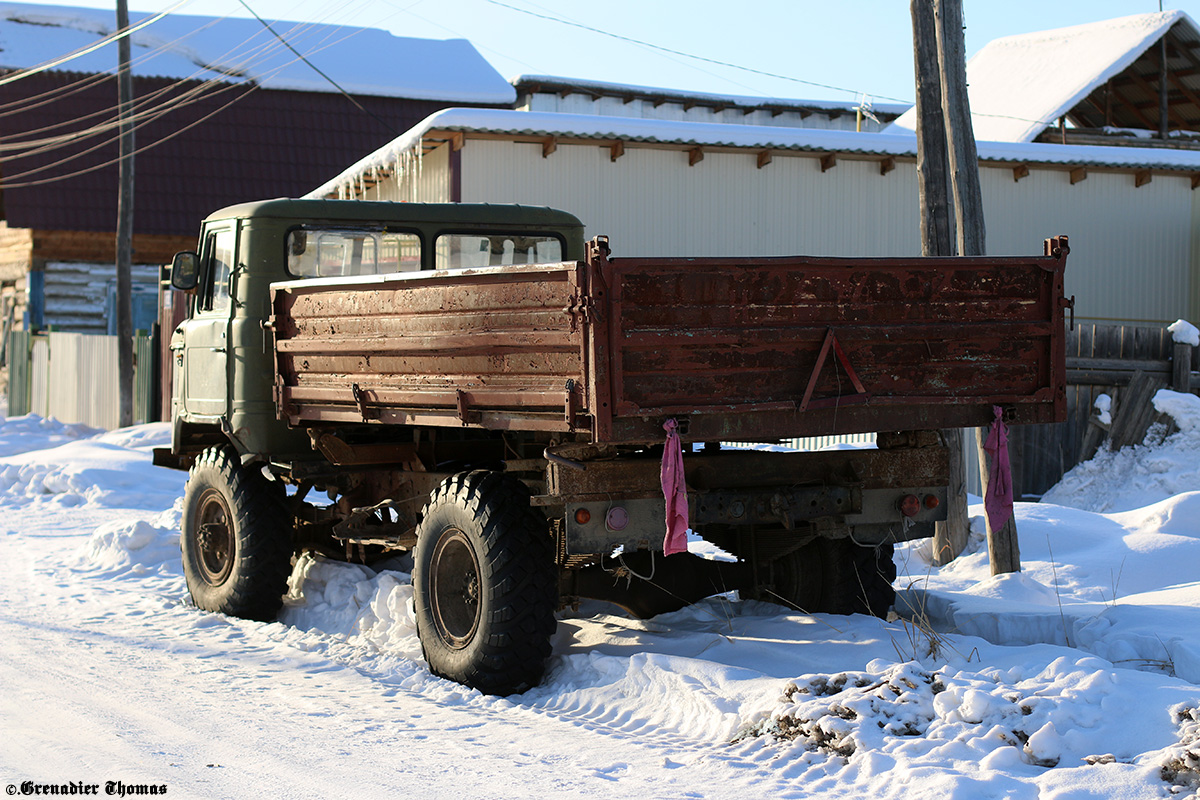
(736, 348)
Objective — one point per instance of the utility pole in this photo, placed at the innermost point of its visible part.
(125, 226)
(946, 156)
(937, 239)
(1003, 551)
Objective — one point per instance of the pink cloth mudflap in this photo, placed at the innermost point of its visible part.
(998, 498)
(674, 492)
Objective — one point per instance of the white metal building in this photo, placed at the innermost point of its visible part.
(574, 96)
(683, 188)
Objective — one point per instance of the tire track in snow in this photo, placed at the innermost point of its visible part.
(130, 611)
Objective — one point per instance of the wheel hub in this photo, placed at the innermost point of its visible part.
(213, 544)
(455, 589)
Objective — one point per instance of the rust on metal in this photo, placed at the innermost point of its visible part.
(862, 394)
(342, 453)
(738, 346)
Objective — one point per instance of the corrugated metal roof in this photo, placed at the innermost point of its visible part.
(363, 61)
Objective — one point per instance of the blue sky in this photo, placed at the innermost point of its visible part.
(847, 48)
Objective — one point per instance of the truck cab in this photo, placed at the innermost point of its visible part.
(222, 353)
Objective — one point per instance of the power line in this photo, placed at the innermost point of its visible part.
(315, 69)
(144, 110)
(660, 48)
(162, 110)
(49, 65)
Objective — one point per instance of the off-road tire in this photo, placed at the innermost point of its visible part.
(236, 542)
(836, 576)
(485, 586)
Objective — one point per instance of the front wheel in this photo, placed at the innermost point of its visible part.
(484, 584)
(236, 541)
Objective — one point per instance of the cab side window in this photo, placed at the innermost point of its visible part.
(218, 265)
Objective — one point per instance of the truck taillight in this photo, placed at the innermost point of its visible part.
(910, 505)
(931, 501)
(583, 516)
(617, 519)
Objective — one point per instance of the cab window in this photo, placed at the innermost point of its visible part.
(330, 253)
(464, 250)
(218, 265)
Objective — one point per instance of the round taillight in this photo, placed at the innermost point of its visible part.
(583, 516)
(910, 505)
(931, 501)
(617, 519)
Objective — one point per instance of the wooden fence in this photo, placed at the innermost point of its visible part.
(1129, 364)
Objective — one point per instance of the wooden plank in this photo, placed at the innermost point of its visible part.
(1136, 412)
(1120, 364)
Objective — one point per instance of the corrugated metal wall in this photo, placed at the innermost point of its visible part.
(653, 204)
(1132, 248)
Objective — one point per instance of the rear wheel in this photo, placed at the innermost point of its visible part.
(484, 584)
(236, 540)
(836, 576)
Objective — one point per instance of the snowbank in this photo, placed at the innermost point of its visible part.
(1139, 476)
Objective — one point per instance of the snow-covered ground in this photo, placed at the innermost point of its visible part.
(1077, 678)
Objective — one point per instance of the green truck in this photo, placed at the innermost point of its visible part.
(529, 416)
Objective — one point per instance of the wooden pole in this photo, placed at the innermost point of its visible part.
(1181, 368)
(968, 206)
(125, 227)
(960, 134)
(937, 225)
(937, 239)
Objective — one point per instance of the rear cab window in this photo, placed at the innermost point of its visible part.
(332, 253)
(466, 250)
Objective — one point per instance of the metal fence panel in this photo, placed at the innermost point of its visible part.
(145, 380)
(19, 343)
(73, 378)
(39, 397)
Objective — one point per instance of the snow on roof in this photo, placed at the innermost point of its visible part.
(711, 134)
(706, 98)
(1019, 85)
(364, 61)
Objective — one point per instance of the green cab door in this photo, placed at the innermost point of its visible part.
(205, 336)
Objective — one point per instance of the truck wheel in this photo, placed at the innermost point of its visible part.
(836, 576)
(485, 586)
(236, 543)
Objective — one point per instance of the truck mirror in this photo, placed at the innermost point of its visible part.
(185, 271)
